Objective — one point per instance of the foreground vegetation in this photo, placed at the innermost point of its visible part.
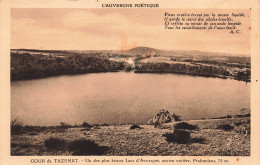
(209, 137)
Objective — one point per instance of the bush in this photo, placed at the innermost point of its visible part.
(86, 147)
(35, 128)
(55, 143)
(229, 116)
(16, 127)
(64, 125)
(238, 123)
(134, 127)
(184, 125)
(178, 136)
(225, 127)
(248, 121)
(105, 124)
(85, 124)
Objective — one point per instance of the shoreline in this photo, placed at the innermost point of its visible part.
(68, 125)
(135, 72)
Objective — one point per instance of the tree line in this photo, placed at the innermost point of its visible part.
(28, 66)
(203, 70)
(192, 69)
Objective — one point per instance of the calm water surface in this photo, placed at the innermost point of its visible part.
(124, 98)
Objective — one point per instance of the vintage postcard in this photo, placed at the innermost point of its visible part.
(129, 82)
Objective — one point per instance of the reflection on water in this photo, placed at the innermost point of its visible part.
(124, 98)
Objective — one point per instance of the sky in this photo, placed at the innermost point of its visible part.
(118, 29)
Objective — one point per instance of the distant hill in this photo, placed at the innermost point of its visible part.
(151, 51)
(142, 51)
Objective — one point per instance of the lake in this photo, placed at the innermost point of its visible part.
(120, 97)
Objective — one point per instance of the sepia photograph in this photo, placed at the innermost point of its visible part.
(130, 82)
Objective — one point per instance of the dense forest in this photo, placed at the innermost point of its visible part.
(27, 66)
(182, 68)
(200, 70)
